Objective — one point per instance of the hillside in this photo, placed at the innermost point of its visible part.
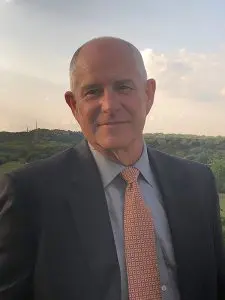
(36, 144)
(23, 147)
(43, 142)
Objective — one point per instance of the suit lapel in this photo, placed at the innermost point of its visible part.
(176, 198)
(90, 213)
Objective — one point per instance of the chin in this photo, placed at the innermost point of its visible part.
(113, 143)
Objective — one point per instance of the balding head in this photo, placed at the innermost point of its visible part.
(110, 95)
(103, 44)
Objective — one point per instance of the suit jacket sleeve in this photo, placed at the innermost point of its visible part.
(218, 239)
(17, 243)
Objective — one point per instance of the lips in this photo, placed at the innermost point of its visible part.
(112, 123)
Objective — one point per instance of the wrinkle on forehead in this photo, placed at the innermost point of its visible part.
(85, 52)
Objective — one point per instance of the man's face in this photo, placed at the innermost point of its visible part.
(111, 97)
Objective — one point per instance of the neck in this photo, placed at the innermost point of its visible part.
(126, 156)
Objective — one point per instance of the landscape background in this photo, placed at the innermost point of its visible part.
(182, 44)
(19, 148)
(183, 48)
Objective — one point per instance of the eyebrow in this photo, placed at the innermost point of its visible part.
(125, 81)
(90, 86)
(86, 87)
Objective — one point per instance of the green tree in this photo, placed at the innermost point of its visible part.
(218, 168)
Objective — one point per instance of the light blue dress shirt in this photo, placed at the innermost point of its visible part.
(114, 187)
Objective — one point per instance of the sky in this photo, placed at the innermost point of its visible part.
(182, 43)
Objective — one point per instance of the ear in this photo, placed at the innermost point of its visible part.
(71, 102)
(150, 91)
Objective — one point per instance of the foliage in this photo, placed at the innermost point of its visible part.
(25, 147)
(34, 145)
(218, 168)
(222, 212)
(10, 166)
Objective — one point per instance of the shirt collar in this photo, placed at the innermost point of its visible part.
(109, 170)
(143, 165)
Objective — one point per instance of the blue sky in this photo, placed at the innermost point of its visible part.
(197, 25)
(182, 42)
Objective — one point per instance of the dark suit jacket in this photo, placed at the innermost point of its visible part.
(56, 240)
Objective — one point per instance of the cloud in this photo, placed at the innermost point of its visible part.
(47, 6)
(190, 96)
(25, 99)
(193, 76)
(222, 92)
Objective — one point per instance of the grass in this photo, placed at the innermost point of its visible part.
(222, 205)
(222, 198)
(9, 167)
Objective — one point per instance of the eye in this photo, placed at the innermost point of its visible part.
(124, 87)
(93, 92)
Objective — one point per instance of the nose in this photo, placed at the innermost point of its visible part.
(110, 101)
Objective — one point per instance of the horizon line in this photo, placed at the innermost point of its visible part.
(145, 133)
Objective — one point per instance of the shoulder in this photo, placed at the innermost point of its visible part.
(44, 171)
(184, 176)
(44, 166)
(181, 166)
(53, 169)
(175, 160)
(35, 181)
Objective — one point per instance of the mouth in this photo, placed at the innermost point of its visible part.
(112, 123)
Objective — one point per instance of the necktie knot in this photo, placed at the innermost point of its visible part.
(130, 174)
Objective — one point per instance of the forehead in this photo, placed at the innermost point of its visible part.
(106, 61)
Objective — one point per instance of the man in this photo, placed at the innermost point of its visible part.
(110, 218)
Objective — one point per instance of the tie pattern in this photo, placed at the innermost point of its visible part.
(139, 242)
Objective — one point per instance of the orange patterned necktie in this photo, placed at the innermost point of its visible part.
(139, 241)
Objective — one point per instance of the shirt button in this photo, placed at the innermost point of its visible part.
(164, 288)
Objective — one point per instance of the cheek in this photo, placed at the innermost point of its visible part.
(136, 107)
(143, 106)
(87, 114)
